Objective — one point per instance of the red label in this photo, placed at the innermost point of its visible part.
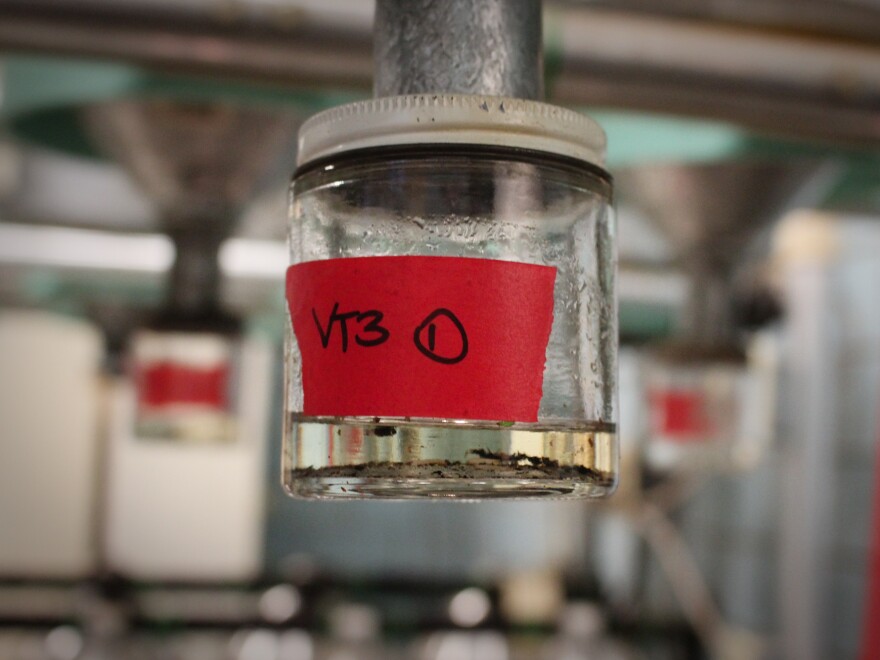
(165, 383)
(681, 414)
(439, 337)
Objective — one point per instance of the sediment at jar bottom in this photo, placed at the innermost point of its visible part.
(397, 458)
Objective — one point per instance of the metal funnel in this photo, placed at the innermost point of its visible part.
(195, 160)
(201, 164)
(710, 213)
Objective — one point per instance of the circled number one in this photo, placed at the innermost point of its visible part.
(440, 321)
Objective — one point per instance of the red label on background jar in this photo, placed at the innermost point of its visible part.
(681, 415)
(168, 384)
(430, 337)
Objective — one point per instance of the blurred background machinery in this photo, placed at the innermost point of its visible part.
(144, 156)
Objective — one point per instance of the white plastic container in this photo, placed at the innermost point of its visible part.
(191, 507)
(49, 407)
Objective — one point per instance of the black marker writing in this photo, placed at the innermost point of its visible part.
(373, 326)
(380, 333)
(441, 337)
(429, 327)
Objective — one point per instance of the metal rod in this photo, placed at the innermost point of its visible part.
(195, 276)
(490, 47)
(708, 314)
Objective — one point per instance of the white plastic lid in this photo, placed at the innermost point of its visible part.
(451, 119)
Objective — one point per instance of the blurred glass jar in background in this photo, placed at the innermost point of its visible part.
(710, 407)
(184, 386)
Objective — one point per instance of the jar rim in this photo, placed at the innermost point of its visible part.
(433, 151)
(451, 119)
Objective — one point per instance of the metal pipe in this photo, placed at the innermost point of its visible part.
(306, 48)
(784, 83)
(490, 47)
(853, 19)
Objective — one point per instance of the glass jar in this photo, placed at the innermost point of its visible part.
(709, 407)
(452, 303)
(184, 386)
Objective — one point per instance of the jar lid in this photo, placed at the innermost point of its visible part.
(451, 119)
